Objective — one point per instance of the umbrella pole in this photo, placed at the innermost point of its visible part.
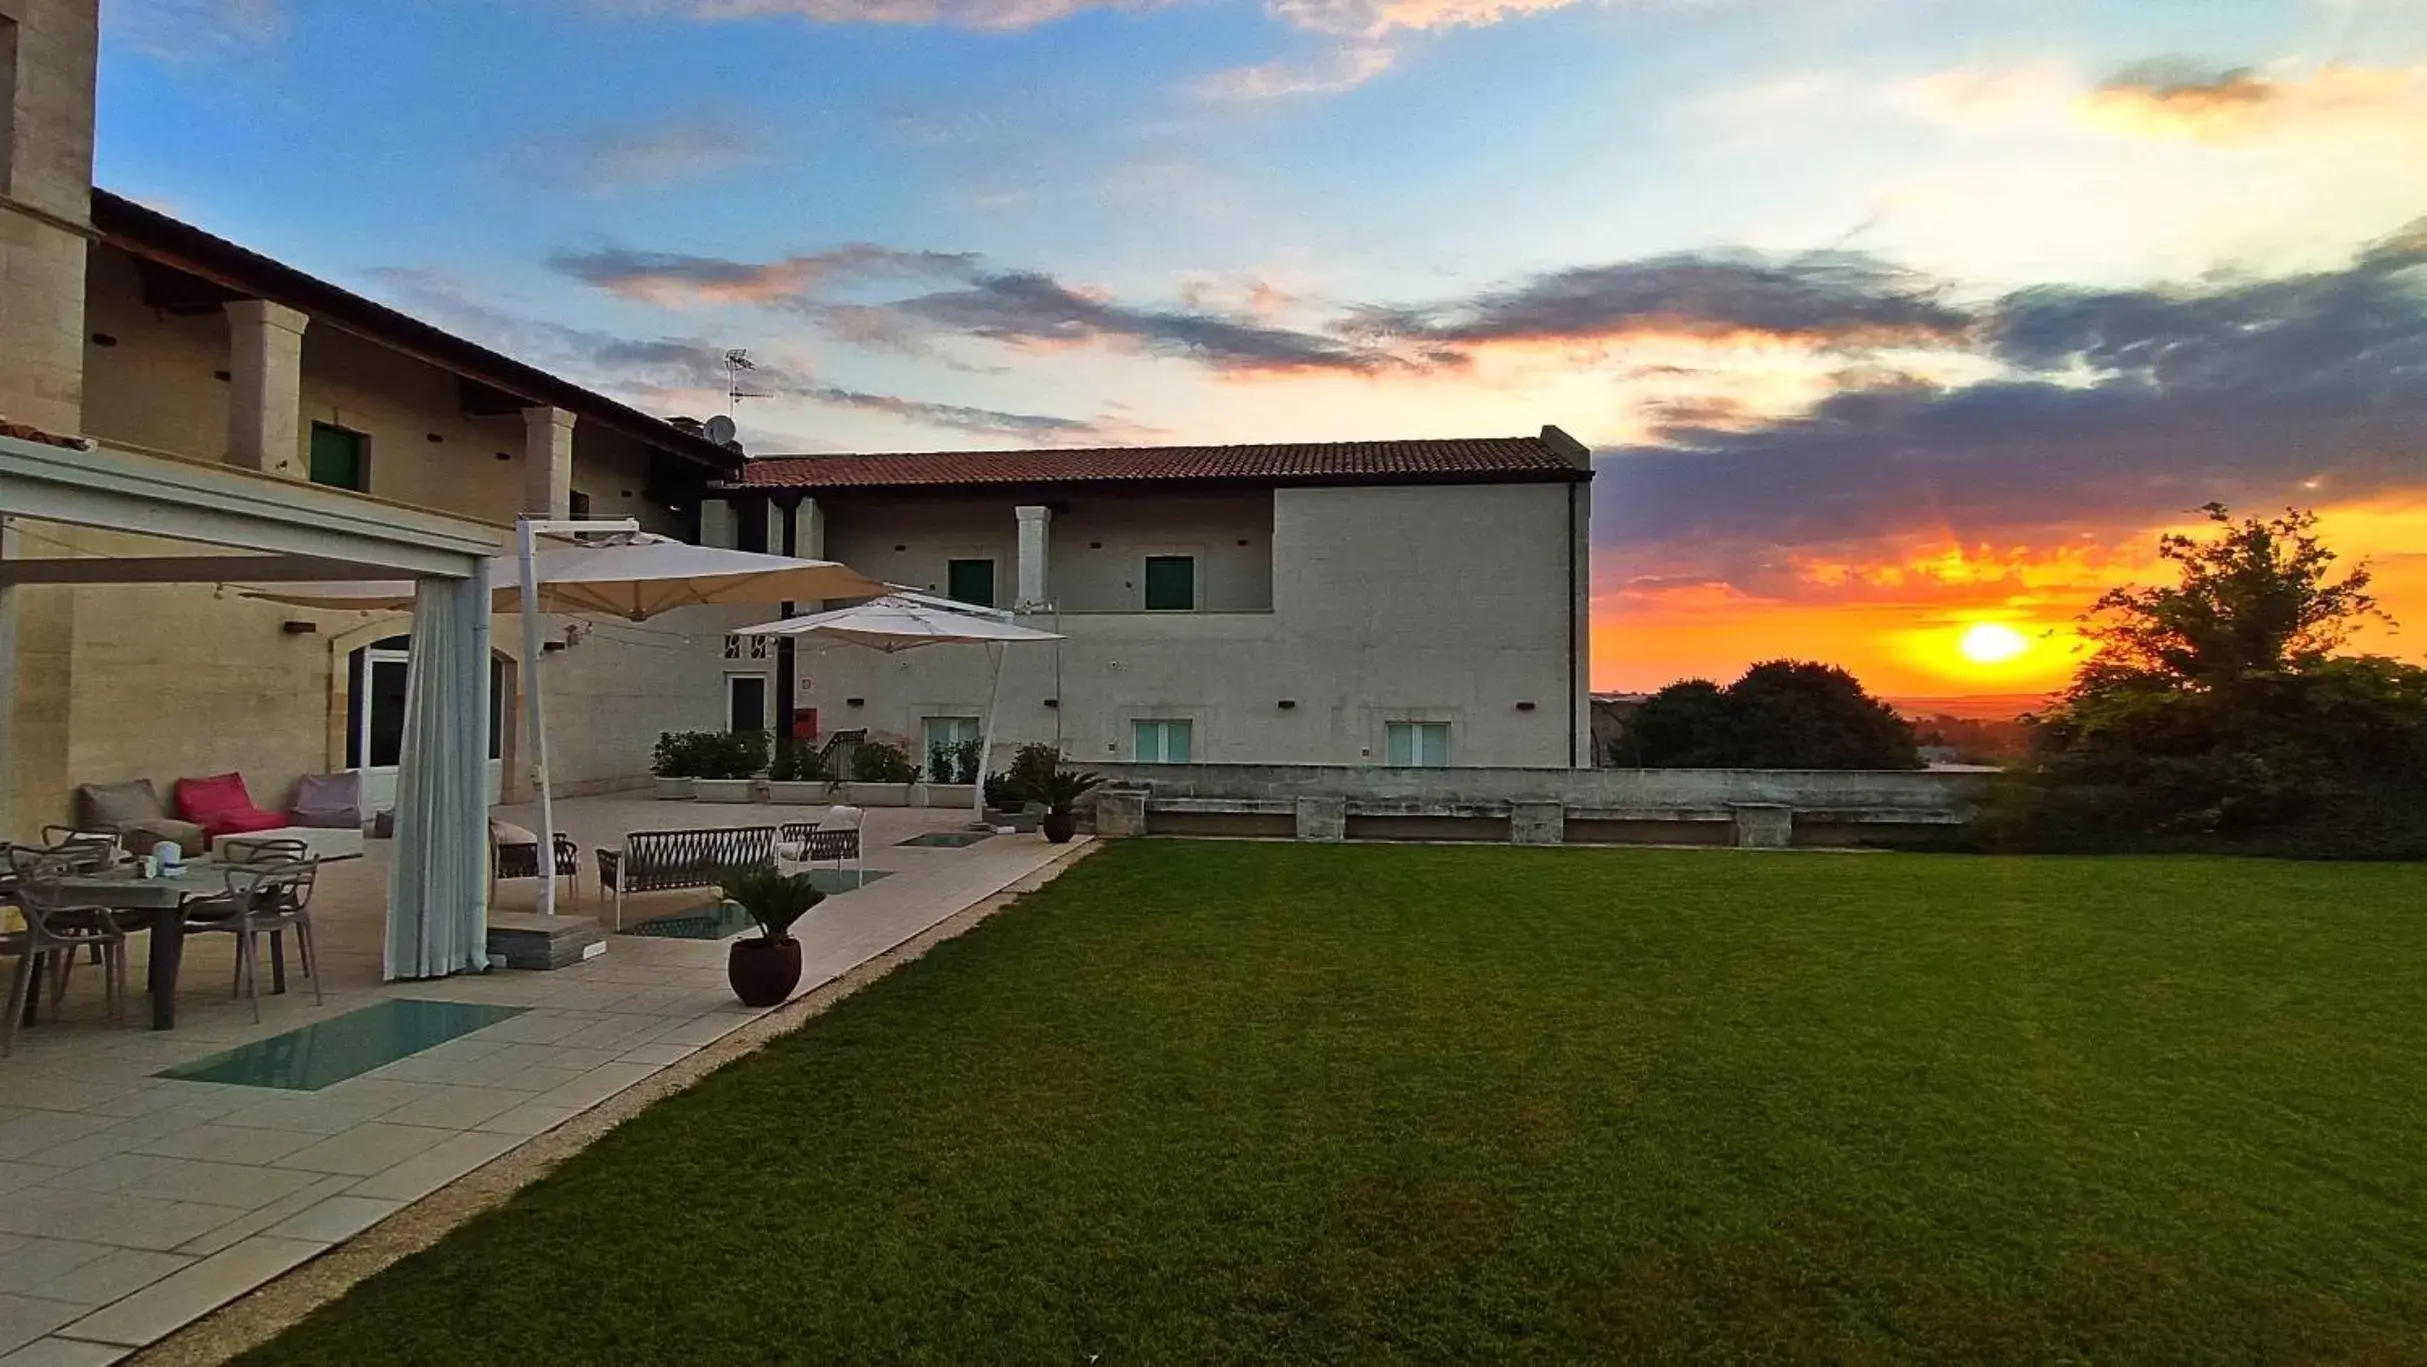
(526, 550)
(994, 698)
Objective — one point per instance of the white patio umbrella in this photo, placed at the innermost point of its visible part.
(617, 571)
(903, 621)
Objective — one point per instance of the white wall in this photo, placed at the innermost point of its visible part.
(1427, 603)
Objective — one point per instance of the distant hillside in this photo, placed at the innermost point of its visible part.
(1977, 707)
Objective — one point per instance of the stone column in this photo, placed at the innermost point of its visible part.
(1035, 582)
(1762, 825)
(1323, 819)
(1120, 813)
(265, 388)
(547, 463)
(718, 525)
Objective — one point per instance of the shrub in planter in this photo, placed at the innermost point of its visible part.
(797, 773)
(954, 762)
(764, 969)
(877, 762)
(676, 759)
(1060, 791)
(729, 762)
(1030, 764)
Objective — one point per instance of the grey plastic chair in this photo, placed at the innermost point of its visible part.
(261, 898)
(58, 926)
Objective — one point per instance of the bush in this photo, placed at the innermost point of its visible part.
(797, 761)
(680, 754)
(954, 762)
(1004, 794)
(1783, 714)
(877, 762)
(732, 754)
(1031, 764)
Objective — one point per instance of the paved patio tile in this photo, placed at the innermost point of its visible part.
(253, 1222)
(457, 1108)
(217, 1143)
(242, 1185)
(33, 1262)
(440, 1164)
(170, 1303)
(658, 1055)
(366, 1149)
(316, 1113)
(117, 1218)
(333, 1218)
(25, 1318)
(57, 1352)
(596, 1085)
(529, 1119)
(119, 1272)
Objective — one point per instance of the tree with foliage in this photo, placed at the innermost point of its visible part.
(2216, 713)
(1783, 714)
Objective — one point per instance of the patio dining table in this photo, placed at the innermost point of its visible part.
(159, 903)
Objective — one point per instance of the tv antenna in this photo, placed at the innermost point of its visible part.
(737, 364)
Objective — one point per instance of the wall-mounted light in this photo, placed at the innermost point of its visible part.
(505, 455)
(1525, 707)
(1287, 703)
(432, 438)
(1053, 702)
(104, 339)
(855, 702)
(221, 375)
(299, 628)
(550, 647)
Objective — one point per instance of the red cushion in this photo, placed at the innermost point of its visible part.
(241, 822)
(219, 804)
(197, 798)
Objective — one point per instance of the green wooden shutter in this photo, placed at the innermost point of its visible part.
(337, 457)
(1171, 583)
(970, 581)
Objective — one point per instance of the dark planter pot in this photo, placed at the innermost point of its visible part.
(1059, 827)
(764, 972)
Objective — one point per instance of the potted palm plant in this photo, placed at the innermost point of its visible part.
(764, 968)
(1060, 791)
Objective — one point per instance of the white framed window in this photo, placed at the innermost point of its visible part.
(1416, 744)
(746, 702)
(943, 734)
(1160, 742)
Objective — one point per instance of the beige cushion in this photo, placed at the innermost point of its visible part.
(118, 805)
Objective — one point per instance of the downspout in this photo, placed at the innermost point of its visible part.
(1571, 624)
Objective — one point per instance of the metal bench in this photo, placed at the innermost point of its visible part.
(836, 837)
(659, 861)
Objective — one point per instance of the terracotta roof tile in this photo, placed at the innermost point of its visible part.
(1551, 456)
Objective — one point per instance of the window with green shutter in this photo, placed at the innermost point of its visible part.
(1171, 583)
(1417, 744)
(1161, 742)
(337, 458)
(970, 581)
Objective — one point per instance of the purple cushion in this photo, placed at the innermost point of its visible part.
(329, 800)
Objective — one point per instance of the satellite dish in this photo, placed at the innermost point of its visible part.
(719, 429)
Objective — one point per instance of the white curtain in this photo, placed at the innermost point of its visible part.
(438, 888)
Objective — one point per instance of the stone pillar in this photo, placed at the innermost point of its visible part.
(1120, 812)
(1763, 825)
(809, 530)
(718, 524)
(265, 388)
(1537, 823)
(1323, 818)
(46, 179)
(547, 463)
(1036, 585)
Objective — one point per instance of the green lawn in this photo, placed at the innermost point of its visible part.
(1229, 1102)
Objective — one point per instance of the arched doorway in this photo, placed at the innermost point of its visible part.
(375, 712)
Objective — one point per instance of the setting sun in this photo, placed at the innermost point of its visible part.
(1989, 643)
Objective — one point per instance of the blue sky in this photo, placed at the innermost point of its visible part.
(1706, 236)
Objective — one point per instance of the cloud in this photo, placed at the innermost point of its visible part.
(1032, 308)
(1837, 299)
(676, 279)
(1374, 18)
(2111, 411)
(610, 161)
(2166, 99)
(1345, 69)
(669, 371)
(194, 30)
(998, 15)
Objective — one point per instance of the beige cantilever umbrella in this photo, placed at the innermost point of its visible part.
(615, 570)
(905, 621)
(632, 575)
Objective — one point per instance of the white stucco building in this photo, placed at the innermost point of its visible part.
(1388, 602)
